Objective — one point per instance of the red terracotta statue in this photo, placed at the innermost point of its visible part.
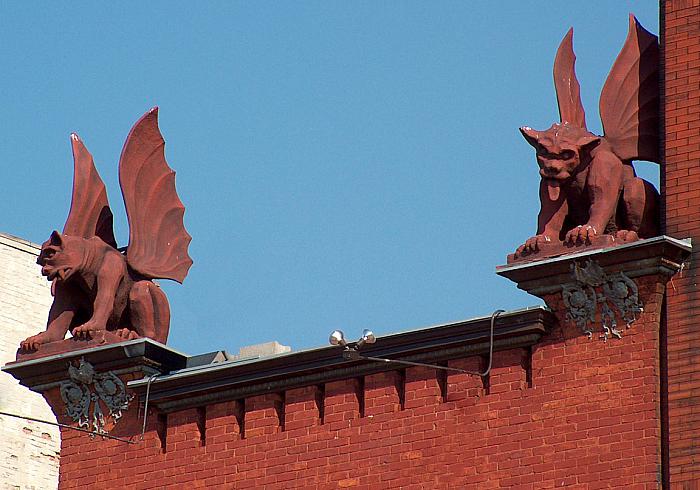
(96, 287)
(589, 187)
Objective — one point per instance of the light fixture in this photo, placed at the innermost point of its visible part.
(337, 338)
(352, 352)
(367, 338)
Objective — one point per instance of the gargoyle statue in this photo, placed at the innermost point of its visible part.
(589, 186)
(95, 286)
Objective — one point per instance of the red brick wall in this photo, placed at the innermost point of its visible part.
(573, 412)
(680, 38)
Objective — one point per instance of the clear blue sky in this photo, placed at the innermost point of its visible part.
(344, 164)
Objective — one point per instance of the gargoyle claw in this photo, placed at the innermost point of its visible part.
(127, 334)
(31, 344)
(85, 331)
(532, 245)
(626, 236)
(582, 234)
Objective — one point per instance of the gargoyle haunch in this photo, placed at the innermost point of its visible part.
(589, 186)
(96, 286)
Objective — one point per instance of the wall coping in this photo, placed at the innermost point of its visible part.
(176, 381)
(230, 380)
(662, 255)
(144, 355)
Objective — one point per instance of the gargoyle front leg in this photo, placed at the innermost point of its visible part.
(112, 272)
(549, 222)
(60, 317)
(604, 186)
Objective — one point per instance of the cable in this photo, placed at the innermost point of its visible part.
(352, 354)
(494, 315)
(65, 426)
(145, 406)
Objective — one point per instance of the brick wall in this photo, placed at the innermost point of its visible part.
(28, 450)
(569, 412)
(680, 37)
(573, 411)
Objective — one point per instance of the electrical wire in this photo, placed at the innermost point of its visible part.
(66, 426)
(494, 315)
(354, 354)
(145, 405)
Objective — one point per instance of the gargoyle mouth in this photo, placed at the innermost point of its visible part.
(553, 188)
(60, 273)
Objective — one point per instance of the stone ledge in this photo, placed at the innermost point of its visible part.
(68, 345)
(659, 255)
(144, 356)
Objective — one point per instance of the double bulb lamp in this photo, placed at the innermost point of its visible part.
(337, 337)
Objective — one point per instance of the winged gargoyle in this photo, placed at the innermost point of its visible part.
(589, 186)
(96, 286)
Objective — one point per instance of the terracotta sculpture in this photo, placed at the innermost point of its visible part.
(97, 287)
(588, 185)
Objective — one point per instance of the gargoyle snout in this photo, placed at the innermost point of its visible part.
(550, 171)
(48, 272)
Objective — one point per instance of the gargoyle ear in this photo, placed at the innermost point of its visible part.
(56, 239)
(588, 142)
(530, 135)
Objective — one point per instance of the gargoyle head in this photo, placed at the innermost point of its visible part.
(561, 150)
(61, 256)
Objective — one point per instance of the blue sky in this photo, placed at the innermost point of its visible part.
(344, 164)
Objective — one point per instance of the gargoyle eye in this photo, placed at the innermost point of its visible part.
(567, 155)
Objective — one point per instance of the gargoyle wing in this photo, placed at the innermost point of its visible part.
(629, 101)
(566, 84)
(89, 214)
(158, 240)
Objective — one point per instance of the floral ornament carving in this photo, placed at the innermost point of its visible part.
(615, 296)
(109, 392)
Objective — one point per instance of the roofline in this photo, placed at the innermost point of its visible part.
(19, 243)
(231, 380)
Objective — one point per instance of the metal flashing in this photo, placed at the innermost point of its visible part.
(229, 380)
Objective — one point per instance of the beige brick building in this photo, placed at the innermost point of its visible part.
(28, 450)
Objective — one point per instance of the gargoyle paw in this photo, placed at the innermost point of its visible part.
(86, 331)
(626, 236)
(532, 245)
(31, 344)
(126, 334)
(582, 234)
